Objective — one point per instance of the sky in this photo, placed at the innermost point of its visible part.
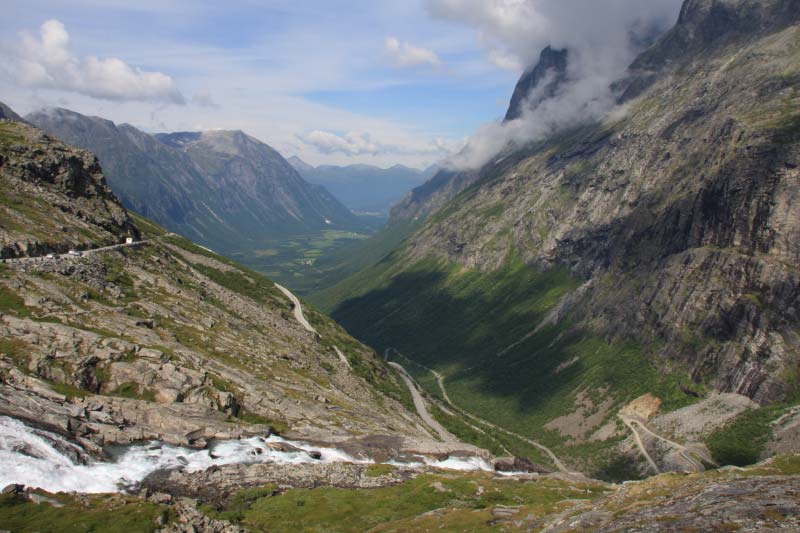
(331, 81)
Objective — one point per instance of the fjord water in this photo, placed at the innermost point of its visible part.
(43, 459)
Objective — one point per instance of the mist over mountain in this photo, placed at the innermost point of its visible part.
(364, 188)
(661, 237)
(587, 319)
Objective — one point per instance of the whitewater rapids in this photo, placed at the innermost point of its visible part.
(39, 458)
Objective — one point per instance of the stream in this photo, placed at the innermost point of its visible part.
(40, 458)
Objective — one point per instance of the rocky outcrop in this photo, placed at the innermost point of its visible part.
(217, 484)
(704, 25)
(539, 83)
(35, 171)
(191, 520)
(768, 504)
(7, 113)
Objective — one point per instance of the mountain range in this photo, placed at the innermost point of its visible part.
(149, 384)
(223, 189)
(651, 253)
(365, 188)
(598, 330)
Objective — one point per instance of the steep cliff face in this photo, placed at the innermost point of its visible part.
(36, 172)
(539, 83)
(682, 214)
(670, 230)
(224, 189)
(704, 25)
(692, 195)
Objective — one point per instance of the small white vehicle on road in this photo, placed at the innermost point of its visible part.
(74, 253)
(51, 256)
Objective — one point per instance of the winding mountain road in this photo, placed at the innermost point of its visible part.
(68, 256)
(695, 464)
(440, 381)
(296, 308)
(638, 439)
(422, 410)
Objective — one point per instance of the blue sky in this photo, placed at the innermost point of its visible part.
(333, 81)
(280, 70)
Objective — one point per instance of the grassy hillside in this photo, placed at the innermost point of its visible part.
(481, 332)
(321, 283)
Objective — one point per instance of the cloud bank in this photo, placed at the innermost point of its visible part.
(352, 144)
(407, 55)
(602, 37)
(46, 61)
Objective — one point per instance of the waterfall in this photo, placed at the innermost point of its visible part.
(43, 459)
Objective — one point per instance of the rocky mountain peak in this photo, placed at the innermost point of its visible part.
(179, 139)
(8, 113)
(704, 25)
(299, 165)
(551, 70)
(60, 114)
(37, 170)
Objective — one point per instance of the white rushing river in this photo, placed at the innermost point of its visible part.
(46, 460)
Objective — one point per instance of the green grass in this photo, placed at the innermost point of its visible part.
(239, 279)
(17, 350)
(134, 391)
(304, 261)
(466, 432)
(70, 391)
(222, 384)
(331, 510)
(99, 514)
(379, 470)
(332, 281)
(741, 441)
(147, 227)
(13, 304)
(476, 329)
(236, 506)
(9, 134)
(493, 211)
(364, 362)
(253, 286)
(252, 418)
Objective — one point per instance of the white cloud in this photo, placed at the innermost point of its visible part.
(577, 102)
(352, 144)
(505, 61)
(408, 55)
(47, 62)
(602, 38)
(521, 28)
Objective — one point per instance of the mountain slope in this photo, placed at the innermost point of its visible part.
(536, 85)
(224, 189)
(9, 114)
(160, 339)
(655, 252)
(364, 187)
